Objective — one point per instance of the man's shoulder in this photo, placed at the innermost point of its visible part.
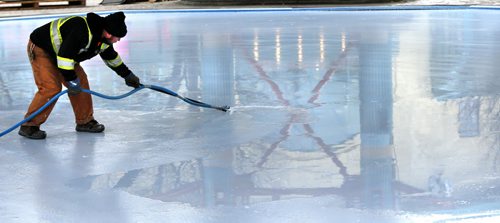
(78, 19)
(75, 21)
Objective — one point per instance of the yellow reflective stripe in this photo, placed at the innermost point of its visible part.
(63, 20)
(103, 47)
(65, 63)
(114, 62)
(55, 33)
(55, 37)
(90, 34)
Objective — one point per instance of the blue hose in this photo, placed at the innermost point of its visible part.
(53, 99)
(153, 87)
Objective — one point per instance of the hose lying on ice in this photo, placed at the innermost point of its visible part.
(152, 87)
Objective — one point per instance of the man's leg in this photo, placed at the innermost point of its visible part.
(83, 106)
(48, 82)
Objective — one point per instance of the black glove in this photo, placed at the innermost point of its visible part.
(132, 80)
(74, 87)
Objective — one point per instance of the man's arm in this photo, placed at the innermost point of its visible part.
(115, 62)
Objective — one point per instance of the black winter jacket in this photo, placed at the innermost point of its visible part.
(74, 34)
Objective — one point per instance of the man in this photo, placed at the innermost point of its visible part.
(55, 51)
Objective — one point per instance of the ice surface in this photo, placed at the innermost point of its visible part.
(337, 116)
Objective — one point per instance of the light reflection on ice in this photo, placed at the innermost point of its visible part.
(372, 116)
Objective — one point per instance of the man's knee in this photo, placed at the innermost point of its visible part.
(49, 91)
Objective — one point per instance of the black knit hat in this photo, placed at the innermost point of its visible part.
(115, 24)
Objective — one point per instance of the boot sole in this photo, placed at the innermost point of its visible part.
(90, 130)
(31, 137)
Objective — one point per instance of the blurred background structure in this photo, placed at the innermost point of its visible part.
(10, 8)
(348, 116)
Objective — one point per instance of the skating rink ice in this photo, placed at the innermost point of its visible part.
(365, 114)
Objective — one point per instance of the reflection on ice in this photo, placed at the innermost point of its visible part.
(370, 116)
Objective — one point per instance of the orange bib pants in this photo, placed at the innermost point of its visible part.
(49, 81)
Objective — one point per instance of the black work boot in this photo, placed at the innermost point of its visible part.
(92, 126)
(32, 132)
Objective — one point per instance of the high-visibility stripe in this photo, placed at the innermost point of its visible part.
(54, 37)
(103, 47)
(65, 63)
(114, 62)
(55, 33)
(90, 34)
